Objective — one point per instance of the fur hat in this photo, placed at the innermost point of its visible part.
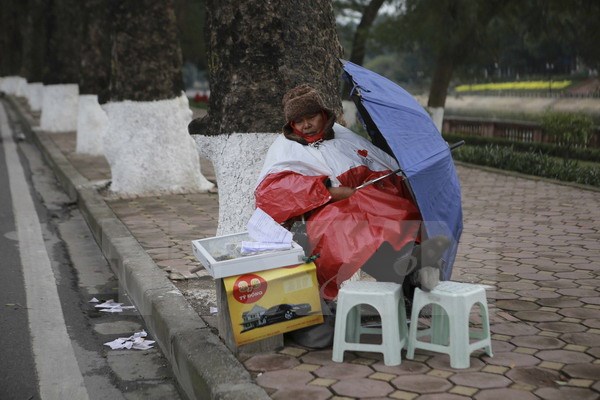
(303, 100)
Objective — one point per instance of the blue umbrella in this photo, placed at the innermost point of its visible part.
(398, 124)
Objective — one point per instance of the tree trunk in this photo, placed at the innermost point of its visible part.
(95, 47)
(62, 60)
(257, 50)
(146, 143)
(11, 39)
(359, 43)
(146, 57)
(440, 81)
(92, 121)
(34, 40)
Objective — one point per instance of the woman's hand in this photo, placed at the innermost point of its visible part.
(341, 192)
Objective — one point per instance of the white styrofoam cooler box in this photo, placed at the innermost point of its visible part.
(207, 251)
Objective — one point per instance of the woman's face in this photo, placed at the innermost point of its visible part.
(310, 124)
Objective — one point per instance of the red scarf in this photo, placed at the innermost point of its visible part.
(311, 138)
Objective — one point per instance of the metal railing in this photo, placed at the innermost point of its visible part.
(523, 131)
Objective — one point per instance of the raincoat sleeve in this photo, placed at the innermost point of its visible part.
(287, 194)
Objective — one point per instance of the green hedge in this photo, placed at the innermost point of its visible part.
(531, 163)
(578, 153)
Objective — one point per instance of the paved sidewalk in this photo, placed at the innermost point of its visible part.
(535, 242)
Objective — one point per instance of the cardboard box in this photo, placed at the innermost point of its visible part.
(217, 254)
(272, 302)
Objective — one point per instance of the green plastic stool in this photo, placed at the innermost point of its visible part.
(450, 332)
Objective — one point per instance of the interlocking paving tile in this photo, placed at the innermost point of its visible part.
(307, 367)
(407, 367)
(270, 362)
(512, 360)
(382, 376)
(583, 371)
(302, 393)
(443, 396)
(516, 305)
(442, 361)
(499, 346)
(495, 394)
(566, 393)
(534, 376)
(284, 379)
(422, 383)
(582, 339)
(564, 356)
(514, 329)
(293, 351)
(495, 369)
(323, 357)
(343, 371)
(402, 395)
(538, 342)
(362, 387)
(464, 390)
(583, 313)
(322, 382)
(561, 302)
(537, 316)
(560, 326)
(480, 380)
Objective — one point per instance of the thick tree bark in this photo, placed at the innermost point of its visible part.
(257, 50)
(34, 40)
(95, 47)
(11, 38)
(146, 57)
(63, 57)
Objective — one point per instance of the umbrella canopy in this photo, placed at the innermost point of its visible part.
(399, 125)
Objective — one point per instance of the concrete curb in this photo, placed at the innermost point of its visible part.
(201, 363)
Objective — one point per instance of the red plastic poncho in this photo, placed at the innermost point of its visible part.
(345, 233)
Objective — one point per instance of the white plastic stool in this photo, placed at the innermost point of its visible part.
(449, 331)
(387, 299)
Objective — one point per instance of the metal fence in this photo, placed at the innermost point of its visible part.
(522, 131)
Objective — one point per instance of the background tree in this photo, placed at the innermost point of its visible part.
(94, 77)
(63, 57)
(146, 57)
(190, 22)
(257, 51)
(369, 11)
(12, 14)
(146, 143)
(95, 47)
(34, 40)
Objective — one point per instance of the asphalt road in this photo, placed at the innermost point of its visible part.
(51, 337)
(18, 377)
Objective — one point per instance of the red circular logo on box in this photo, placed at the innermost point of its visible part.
(249, 288)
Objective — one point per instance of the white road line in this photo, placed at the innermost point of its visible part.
(55, 360)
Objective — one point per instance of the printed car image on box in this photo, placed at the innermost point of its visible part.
(272, 302)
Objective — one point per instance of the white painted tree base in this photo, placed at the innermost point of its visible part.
(350, 111)
(237, 159)
(60, 108)
(35, 96)
(13, 85)
(437, 115)
(91, 126)
(149, 149)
